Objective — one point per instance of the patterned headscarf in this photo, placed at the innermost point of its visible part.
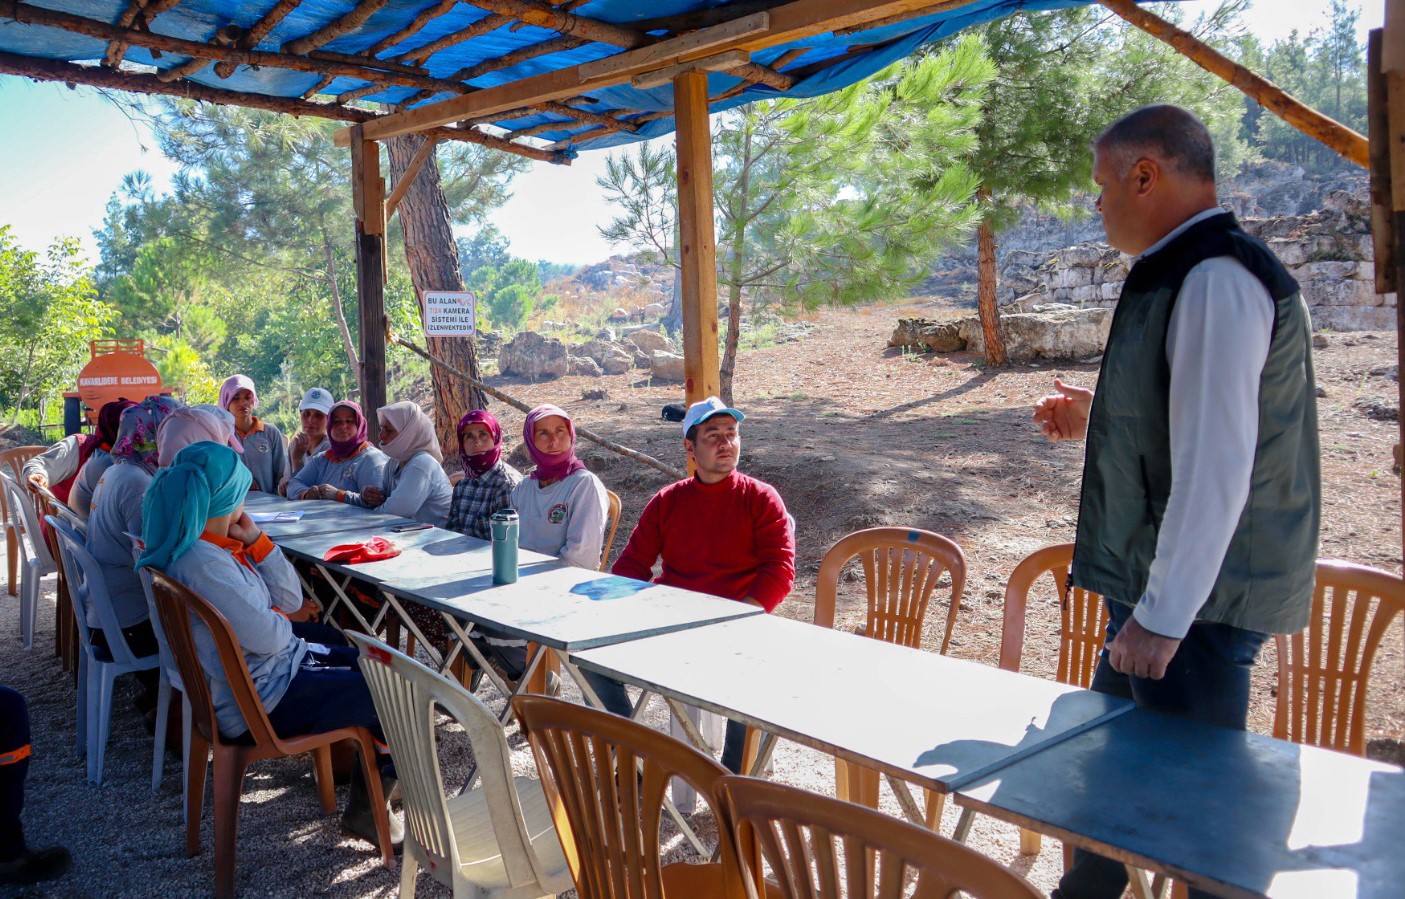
(205, 481)
(232, 385)
(415, 432)
(347, 449)
(192, 425)
(551, 466)
(480, 463)
(105, 434)
(136, 436)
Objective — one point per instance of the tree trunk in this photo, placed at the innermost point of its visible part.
(729, 352)
(434, 265)
(348, 344)
(995, 355)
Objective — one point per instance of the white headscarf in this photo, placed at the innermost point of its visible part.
(415, 432)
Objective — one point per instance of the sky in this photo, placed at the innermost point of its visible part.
(65, 153)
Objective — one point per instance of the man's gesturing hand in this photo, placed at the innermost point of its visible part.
(1064, 415)
(1138, 652)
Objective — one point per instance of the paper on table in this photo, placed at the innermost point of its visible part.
(285, 515)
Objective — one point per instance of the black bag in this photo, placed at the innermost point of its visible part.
(673, 412)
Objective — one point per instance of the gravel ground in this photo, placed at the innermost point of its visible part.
(127, 841)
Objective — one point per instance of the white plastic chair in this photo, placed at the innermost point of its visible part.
(170, 679)
(97, 670)
(35, 562)
(496, 841)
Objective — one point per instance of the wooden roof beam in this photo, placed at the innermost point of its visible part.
(333, 30)
(258, 32)
(34, 15)
(137, 15)
(793, 21)
(482, 26)
(1309, 121)
(416, 25)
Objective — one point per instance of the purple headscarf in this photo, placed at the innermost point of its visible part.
(345, 450)
(480, 463)
(551, 467)
(136, 437)
(105, 434)
(232, 385)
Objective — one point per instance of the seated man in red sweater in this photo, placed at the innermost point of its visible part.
(719, 532)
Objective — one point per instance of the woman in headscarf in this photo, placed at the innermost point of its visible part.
(95, 455)
(348, 467)
(194, 424)
(413, 484)
(116, 515)
(197, 532)
(265, 449)
(487, 479)
(56, 469)
(561, 507)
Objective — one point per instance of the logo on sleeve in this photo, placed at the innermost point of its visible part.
(556, 514)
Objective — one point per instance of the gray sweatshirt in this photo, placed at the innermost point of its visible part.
(266, 456)
(115, 515)
(419, 489)
(365, 469)
(80, 498)
(247, 600)
(566, 519)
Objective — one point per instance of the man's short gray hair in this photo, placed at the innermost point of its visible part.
(1170, 133)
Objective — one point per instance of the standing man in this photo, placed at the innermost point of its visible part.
(1199, 515)
(719, 532)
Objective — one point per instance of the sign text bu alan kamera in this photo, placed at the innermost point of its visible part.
(450, 313)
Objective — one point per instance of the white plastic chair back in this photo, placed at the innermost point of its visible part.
(170, 678)
(95, 674)
(71, 518)
(34, 559)
(406, 694)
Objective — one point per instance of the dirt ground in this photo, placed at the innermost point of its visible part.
(853, 435)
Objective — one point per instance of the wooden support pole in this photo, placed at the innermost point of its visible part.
(697, 245)
(368, 198)
(403, 184)
(1386, 64)
(1328, 131)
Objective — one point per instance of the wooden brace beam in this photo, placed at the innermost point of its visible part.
(1309, 121)
(403, 185)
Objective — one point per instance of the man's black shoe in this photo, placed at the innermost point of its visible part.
(36, 866)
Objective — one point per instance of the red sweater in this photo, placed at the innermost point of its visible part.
(730, 539)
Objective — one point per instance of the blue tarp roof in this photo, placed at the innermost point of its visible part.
(830, 61)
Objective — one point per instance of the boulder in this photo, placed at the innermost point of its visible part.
(648, 341)
(605, 334)
(582, 365)
(611, 359)
(643, 359)
(530, 355)
(1063, 336)
(925, 334)
(667, 366)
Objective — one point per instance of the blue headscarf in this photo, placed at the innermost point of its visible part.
(205, 480)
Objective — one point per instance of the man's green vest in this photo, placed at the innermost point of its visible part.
(1266, 580)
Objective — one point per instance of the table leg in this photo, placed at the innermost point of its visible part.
(908, 804)
(963, 825)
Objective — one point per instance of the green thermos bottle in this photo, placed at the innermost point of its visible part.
(503, 524)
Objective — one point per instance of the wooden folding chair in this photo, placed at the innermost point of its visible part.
(823, 848)
(177, 605)
(1324, 672)
(605, 777)
(901, 567)
(1082, 630)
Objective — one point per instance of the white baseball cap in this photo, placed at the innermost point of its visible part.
(701, 411)
(318, 399)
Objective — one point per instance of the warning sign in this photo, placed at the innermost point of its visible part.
(450, 313)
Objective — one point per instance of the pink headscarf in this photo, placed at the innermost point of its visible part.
(554, 466)
(345, 450)
(192, 425)
(416, 432)
(232, 385)
(480, 463)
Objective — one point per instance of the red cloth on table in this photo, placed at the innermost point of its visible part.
(372, 550)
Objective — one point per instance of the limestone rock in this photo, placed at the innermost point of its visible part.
(530, 355)
(648, 340)
(611, 359)
(925, 334)
(1063, 336)
(667, 366)
(582, 365)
